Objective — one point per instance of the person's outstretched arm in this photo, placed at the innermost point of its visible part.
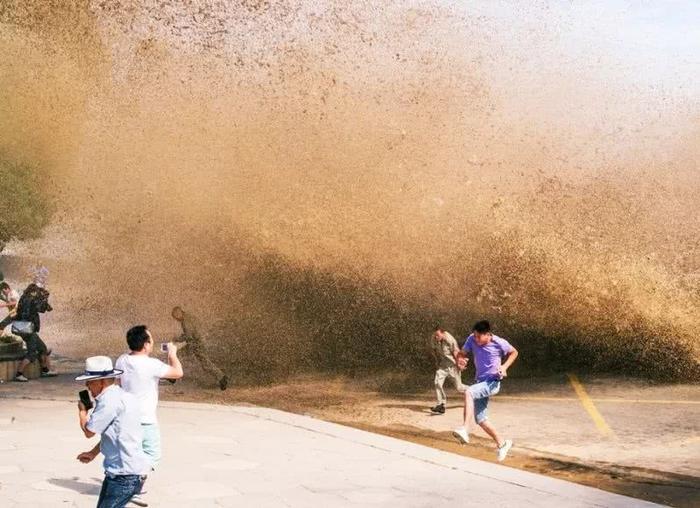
(86, 457)
(461, 360)
(456, 352)
(175, 367)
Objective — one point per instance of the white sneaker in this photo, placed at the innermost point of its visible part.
(21, 378)
(49, 373)
(503, 450)
(461, 434)
(138, 500)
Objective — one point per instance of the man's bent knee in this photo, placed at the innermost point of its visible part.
(31, 356)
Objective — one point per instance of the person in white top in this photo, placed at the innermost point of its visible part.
(8, 299)
(140, 378)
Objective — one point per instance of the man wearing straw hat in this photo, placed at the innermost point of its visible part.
(117, 419)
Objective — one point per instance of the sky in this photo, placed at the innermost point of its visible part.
(653, 43)
(609, 69)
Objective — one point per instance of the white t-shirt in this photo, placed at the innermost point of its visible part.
(12, 297)
(140, 378)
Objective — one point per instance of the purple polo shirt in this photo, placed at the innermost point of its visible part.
(487, 359)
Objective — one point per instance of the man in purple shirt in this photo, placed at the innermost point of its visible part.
(488, 351)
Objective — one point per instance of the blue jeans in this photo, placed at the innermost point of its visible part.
(481, 392)
(117, 490)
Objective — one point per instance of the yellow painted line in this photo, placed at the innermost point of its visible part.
(623, 401)
(588, 405)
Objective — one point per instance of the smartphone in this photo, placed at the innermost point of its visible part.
(164, 347)
(85, 399)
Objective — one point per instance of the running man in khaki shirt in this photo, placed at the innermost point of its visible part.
(195, 346)
(449, 364)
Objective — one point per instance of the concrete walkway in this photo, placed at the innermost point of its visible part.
(257, 457)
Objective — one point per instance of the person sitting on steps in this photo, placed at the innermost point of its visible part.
(8, 299)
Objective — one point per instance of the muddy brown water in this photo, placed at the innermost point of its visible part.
(323, 183)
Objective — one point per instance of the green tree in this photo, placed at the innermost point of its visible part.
(24, 209)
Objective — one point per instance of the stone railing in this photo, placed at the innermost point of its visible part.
(11, 354)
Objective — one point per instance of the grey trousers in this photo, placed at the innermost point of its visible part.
(455, 376)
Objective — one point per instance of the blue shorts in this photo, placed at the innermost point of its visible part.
(481, 392)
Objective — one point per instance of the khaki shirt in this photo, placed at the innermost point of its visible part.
(190, 333)
(444, 350)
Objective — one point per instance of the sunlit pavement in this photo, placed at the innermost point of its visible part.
(651, 426)
(246, 456)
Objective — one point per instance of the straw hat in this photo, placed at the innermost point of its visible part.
(99, 367)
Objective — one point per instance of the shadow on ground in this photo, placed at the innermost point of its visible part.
(81, 487)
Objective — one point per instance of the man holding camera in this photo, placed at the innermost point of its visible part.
(116, 420)
(140, 378)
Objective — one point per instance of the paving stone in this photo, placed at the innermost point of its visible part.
(258, 457)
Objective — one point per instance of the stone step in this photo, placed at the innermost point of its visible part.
(10, 363)
(10, 348)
